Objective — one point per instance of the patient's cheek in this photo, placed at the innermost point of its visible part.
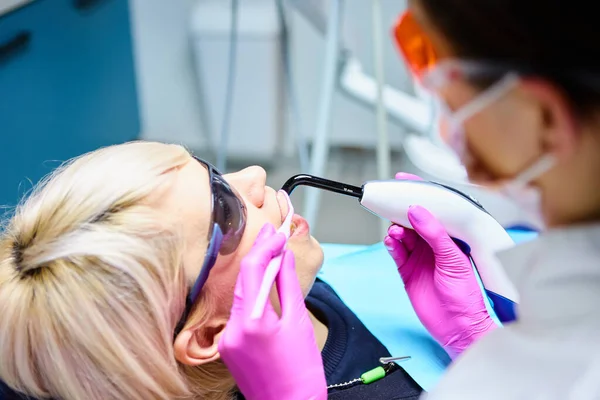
(222, 281)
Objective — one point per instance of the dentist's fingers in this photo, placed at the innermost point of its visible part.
(407, 176)
(396, 250)
(238, 296)
(429, 228)
(266, 231)
(446, 252)
(407, 236)
(253, 268)
(291, 297)
(401, 257)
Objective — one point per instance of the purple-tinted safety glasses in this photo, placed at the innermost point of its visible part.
(227, 224)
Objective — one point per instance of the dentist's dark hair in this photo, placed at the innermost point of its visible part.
(552, 39)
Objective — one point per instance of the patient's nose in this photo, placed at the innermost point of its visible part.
(250, 182)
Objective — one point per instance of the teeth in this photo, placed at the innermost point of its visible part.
(292, 228)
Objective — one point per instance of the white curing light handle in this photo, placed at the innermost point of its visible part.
(464, 219)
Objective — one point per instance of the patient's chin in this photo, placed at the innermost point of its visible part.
(315, 241)
(319, 255)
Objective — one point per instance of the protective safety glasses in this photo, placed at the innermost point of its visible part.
(414, 45)
(426, 66)
(227, 225)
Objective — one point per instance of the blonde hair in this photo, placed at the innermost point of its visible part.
(91, 284)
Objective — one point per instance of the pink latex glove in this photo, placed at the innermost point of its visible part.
(439, 280)
(272, 357)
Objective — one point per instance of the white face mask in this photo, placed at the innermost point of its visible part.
(455, 120)
(528, 198)
(517, 190)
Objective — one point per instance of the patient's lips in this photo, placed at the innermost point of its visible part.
(300, 226)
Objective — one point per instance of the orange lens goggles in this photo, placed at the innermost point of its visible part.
(414, 45)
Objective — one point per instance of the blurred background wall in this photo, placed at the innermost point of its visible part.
(167, 83)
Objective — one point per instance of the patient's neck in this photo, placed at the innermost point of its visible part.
(321, 331)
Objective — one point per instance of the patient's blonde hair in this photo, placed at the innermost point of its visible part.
(91, 284)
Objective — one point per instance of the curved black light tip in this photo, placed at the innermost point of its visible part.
(321, 183)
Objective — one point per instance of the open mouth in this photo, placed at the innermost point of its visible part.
(299, 226)
(293, 227)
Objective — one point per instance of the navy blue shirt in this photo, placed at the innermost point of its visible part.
(351, 350)
(8, 394)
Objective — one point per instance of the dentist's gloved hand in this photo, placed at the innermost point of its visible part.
(272, 358)
(439, 280)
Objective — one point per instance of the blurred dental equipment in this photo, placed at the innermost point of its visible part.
(415, 112)
(237, 50)
(249, 31)
(231, 31)
(290, 89)
(461, 215)
(314, 12)
(383, 142)
(412, 111)
(227, 109)
(263, 33)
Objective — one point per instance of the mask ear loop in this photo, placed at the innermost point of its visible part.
(485, 99)
(537, 169)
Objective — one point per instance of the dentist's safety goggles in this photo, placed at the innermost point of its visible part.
(428, 69)
(414, 45)
(227, 225)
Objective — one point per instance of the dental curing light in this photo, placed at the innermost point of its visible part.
(464, 218)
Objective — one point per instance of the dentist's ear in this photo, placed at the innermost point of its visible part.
(558, 123)
(199, 345)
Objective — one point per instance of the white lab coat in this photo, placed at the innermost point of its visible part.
(553, 350)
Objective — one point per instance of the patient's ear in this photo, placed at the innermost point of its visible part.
(200, 345)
